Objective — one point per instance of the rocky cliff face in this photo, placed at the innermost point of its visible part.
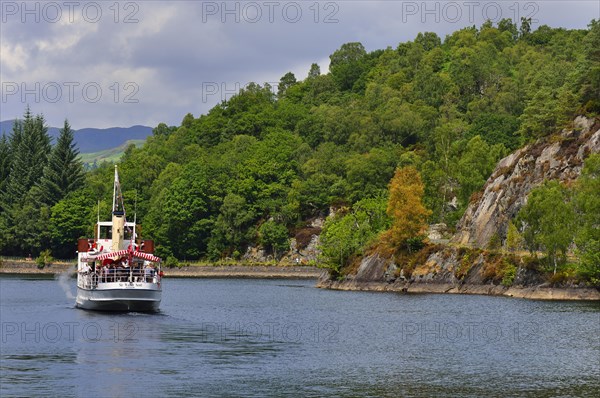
(516, 175)
(454, 269)
(304, 247)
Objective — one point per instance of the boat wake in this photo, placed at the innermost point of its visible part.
(63, 281)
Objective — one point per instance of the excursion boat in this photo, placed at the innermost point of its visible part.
(115, 270)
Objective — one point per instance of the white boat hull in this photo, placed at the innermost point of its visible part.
(126, 297)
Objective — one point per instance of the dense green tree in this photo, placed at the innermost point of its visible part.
(339, 241)
(539, 116)
(232, 225)
(30, 151)
(587, 209)
(548, 221)
(367, 174)
(286, 81)
(346, 66)
(70, 219)
(17, 132)
(497, 128)
(315, 70)
(348, 232)
(274, 237)
(475, 166)
(514, 239)
(508, 26)
(188, 121)
(4, 163)
(64, 172)
(24, 220)
(589, 77)
(180, 219)
(322, 180)
(428, 40)
(525, 28)
(163, 130)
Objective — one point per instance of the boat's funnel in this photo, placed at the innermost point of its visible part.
(118, 216)
(118, 233)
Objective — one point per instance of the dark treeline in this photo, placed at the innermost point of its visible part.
(256, 167)
(35, 178)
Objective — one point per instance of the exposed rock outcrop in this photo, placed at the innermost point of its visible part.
(304, 247)
(516, 175)
(452, 269)
(443, 273)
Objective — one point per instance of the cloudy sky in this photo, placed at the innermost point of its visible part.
(109, 63)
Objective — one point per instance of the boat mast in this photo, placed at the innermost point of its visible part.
(98, 227)
(115, 183)
(118, 216)
(133, 237)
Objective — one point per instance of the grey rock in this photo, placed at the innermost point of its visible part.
(505, 192)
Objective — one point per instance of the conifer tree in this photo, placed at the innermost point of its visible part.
(24, 221)
(4, 163)
(12, 143)
(29, 156)
(17, 134)
(64, 171)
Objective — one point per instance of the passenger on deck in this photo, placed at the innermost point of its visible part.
(148, 271)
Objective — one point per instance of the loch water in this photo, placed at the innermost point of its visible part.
(252, 337)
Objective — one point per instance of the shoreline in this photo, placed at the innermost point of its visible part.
(524, 292)
(320, 275)
(217, 271)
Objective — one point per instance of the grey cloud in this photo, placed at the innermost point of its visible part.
(174, 49)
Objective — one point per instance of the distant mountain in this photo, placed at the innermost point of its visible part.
(91, 140)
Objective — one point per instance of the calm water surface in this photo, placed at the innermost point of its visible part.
(233, 337)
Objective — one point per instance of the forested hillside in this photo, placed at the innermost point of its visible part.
(258, 166)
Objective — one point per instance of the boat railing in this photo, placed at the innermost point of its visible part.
(87, 280)
(91, 279)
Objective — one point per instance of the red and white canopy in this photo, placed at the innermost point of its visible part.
(146, 256)
(122, 253)
(104, 256)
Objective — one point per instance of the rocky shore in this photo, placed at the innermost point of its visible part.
(540, 292)
(225, 271)
(443, 271)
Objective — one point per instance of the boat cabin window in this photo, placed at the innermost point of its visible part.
(105, 232)
(128, 233)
